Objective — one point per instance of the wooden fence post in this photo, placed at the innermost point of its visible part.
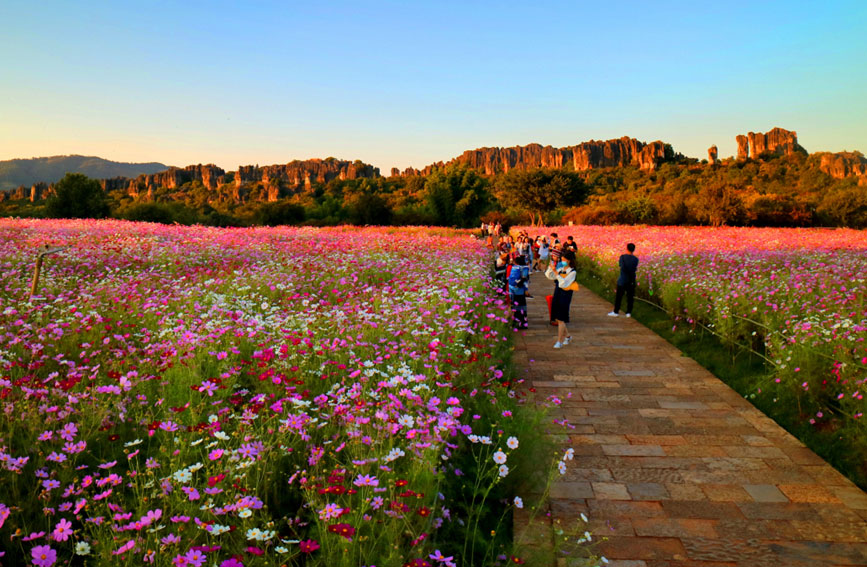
(44, 251)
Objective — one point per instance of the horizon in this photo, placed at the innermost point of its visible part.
(407, 86)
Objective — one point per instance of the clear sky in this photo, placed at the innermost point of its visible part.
(409, 83)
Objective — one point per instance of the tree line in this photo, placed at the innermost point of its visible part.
(769, 191)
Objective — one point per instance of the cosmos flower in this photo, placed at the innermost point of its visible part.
(43, 556)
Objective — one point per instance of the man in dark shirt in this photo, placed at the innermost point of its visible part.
(626, 282)
(571, 245)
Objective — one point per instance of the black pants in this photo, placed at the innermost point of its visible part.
(519, 307)
(629, 290)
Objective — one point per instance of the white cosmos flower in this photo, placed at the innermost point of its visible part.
(512, 442)
(499, 457)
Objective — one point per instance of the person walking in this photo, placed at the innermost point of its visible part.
(519, 278)
(626, 281)
(562, 301)
(543, 253)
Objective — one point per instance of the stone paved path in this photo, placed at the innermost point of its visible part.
(674, 467)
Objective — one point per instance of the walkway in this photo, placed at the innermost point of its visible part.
(674, 467)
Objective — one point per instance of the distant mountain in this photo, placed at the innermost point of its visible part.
(26, 172)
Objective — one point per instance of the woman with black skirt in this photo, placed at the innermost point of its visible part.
(564, 273)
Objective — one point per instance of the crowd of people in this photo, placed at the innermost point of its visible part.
(516, 257)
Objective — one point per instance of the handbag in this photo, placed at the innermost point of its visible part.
(572, 287)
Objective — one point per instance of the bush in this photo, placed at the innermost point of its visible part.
(163, 213)
(279, 213)
(77, 196)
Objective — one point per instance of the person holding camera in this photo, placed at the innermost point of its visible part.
(564, 273)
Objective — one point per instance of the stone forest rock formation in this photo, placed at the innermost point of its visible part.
(845, 164)
(271, 182)
(743, 146)
(272, 177)
(305, 173)
(777, 141)
(587, 155)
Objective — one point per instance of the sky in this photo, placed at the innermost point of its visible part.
(410, 83)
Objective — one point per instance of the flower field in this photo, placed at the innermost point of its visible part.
(797, 296)
(189, 396)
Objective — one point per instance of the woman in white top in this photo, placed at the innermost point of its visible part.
(565, 274)
(543, 250)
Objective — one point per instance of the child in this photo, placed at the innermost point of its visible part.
(519, 279)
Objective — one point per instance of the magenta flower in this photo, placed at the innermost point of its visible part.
(62, 530)
(43, 556)
(195, 558)
(124, 548)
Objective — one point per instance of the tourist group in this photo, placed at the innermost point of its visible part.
(516, 257)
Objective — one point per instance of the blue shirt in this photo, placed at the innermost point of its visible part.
(518, 278)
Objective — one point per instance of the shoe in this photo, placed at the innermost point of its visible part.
(629, 314)
(567, 340)
(558, 344)
(613, 314)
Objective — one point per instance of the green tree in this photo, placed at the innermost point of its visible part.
(456, 196)
(77, 196)
(278, 213)
(539, 191)
(369, 208)
(846, 205)
(718, 204)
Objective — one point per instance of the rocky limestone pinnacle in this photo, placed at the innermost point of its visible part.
(743, 146)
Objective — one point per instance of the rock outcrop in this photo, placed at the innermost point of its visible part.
(273, 177)
(587, 155)
(39, 191)
(712, 153)
(20, 193)
(174, 177)
(845, 164)
(743, 146)
(305, 172)
(778, 141)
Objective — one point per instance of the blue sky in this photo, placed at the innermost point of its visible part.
(409, 83)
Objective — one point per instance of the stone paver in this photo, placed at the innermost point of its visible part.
(672, 467)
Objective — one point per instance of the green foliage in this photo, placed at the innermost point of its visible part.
(770, 191)
(719, 204)
(77, 196)
(456, 196)
(845, 206)
(279, 213)
(538, 191)
(369, 209)
(165, 213)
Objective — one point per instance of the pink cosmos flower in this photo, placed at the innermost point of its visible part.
(43, 556)
(195, 558)
(124, 548)
(62, 530)
(309, 546)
